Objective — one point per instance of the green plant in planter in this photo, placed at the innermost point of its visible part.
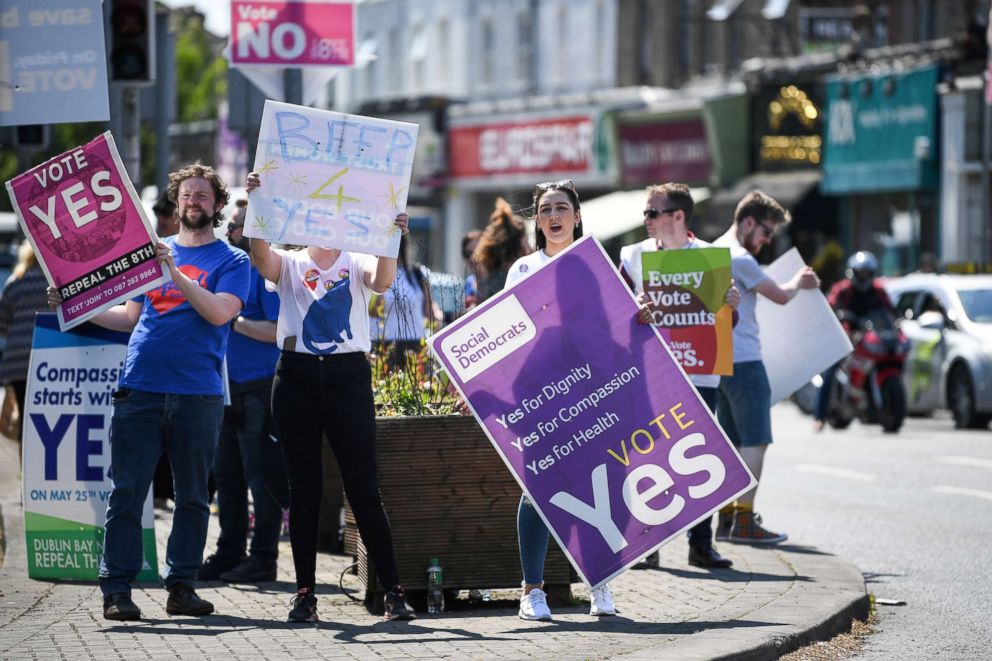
(406, 379)
(418, 387)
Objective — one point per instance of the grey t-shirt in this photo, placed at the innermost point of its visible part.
(748, 274)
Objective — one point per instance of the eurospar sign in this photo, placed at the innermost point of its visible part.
(293, 33)
(564, 145)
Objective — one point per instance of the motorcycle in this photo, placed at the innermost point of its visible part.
(868, 383)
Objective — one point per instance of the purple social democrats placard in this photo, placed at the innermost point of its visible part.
(591, 413)
(88, 229)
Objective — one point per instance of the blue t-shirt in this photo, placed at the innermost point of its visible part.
(249, 359)
(172, 348)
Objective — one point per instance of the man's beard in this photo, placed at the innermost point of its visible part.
(205, 220)
(749, 244)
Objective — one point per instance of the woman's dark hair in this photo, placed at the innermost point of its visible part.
(503, 241)
(568, 188)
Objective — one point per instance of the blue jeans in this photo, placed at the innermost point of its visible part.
(144, 425)
(744, 406)
(532, 536)
(240, 466)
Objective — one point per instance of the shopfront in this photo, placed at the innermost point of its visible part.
(881, 161)
(786, 151)
(505, 155)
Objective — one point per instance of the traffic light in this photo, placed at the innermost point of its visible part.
(132, 41)
(31, 136)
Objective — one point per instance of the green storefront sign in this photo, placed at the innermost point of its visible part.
(881, 132)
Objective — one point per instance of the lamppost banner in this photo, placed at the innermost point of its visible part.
(591, 412)
(293, 33)
(53, 65)
(66, 421)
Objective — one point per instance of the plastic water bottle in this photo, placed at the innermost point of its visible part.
(435, 590)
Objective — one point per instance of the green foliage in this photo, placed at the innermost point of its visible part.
(201, 71)
(411, 385)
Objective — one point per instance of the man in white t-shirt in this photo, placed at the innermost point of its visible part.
(667, 214)
(744, 402)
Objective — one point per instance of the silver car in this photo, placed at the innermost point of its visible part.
(948, 320)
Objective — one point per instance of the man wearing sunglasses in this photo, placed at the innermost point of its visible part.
(666, 217)
(744, 402)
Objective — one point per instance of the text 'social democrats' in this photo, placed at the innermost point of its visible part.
(481, 344)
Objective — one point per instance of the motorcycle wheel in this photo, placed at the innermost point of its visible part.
(893, 410)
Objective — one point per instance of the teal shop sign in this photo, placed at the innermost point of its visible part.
(881, 133)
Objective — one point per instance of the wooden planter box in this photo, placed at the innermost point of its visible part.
(449, 495)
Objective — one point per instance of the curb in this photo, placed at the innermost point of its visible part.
(828, 594)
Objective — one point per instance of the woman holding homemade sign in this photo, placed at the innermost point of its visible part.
(323, 385)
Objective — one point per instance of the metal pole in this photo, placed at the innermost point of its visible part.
(131, 133)
(165, 85)
(292, 81)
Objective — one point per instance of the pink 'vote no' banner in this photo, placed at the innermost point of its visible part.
(292, 34)
(591, 413)
(88, 230)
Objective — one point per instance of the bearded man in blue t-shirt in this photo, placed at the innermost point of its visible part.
(171, 396)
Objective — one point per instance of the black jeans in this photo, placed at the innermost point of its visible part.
(313, 396)
(240, 466)
(701, 534)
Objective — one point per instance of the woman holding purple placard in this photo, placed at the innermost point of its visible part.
(559, 224)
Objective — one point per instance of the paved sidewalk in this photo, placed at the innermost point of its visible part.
(771, 602)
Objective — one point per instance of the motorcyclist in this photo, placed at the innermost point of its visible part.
(856, 297)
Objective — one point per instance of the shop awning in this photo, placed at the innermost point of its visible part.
(788, 188)
(614, 214)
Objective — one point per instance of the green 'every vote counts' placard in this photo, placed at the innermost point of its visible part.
(686, 291)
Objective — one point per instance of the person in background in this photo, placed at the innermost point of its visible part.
(469, 242)
(856, 297)
(400, 316)
(23, 295)
(246, 452)
(744, 400)
(503, 242)
(166, 223)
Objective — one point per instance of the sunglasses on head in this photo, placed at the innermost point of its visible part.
(550, 185)
(653, 213)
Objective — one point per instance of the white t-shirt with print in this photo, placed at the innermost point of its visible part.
(630, 260)
(525, 266)
(323, 311)
(748, 274)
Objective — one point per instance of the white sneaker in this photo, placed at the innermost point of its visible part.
(602, 601)
(534, 606)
